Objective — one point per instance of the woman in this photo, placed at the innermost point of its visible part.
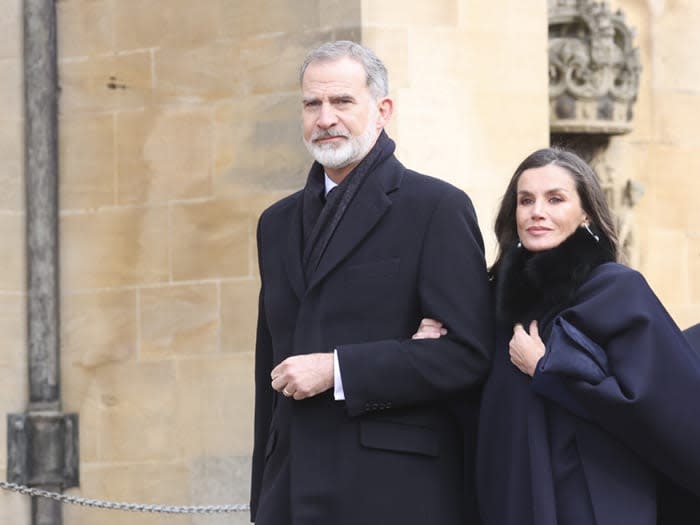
(593, 389)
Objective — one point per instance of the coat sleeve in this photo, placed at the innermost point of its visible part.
(453, 287)
(644, 389)
(263, 397)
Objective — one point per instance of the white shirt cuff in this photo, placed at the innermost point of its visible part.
(338, 392)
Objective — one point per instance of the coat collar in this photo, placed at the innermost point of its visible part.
(530, 284)
(372, 201)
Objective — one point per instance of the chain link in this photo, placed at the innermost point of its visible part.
(131, 507)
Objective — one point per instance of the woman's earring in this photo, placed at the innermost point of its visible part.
(588, 229)
(519, 245)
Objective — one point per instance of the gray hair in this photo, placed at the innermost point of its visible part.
(377, 78)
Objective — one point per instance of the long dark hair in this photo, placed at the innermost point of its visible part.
(593, 199)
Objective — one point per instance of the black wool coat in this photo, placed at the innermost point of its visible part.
(407, 247)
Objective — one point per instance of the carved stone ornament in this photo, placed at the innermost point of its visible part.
(593, 68)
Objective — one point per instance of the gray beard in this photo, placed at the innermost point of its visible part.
(354, 149)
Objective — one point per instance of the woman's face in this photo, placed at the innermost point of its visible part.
(548, 207)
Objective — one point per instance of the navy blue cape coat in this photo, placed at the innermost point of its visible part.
(612, 404)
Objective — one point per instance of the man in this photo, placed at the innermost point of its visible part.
(355, 422)
(692, 334)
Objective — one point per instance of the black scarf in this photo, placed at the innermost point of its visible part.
(319, 220)
(530, 285)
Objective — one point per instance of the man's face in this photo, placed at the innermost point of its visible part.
(341, 119)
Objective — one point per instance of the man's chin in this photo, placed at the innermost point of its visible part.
(329, 158)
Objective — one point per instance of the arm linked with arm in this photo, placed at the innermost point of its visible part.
(452, 287)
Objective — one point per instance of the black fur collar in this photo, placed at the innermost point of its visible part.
(530, 284)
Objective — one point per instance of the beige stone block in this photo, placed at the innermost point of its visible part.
(13, 375)
(337, 13)
(270, 62)
(694, 272)
(478, 150)
(239, 314)
(14, 393)
(668, 276)
(105, 83)
(148, 482)
(12, 266)
(163, 155)
(435, 13)
(142, 24)
(672, 187)
(11, 28)
(215, 401)
(391, 45)
(11, 165)
(643, 113)
(15, 507)
(99, 328)
(686, 315)
(675, 62)
(676, 124)
(209, 240)
(13, 328)
(268, 16)
(114, 247)
(86, 161)
(199, 75)
(503, 16)
(179, 321)
(139, 406)
(258, 145)
(11, 97)
(80, 394)
(84, 28)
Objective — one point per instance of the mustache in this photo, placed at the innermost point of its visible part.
(328, 133)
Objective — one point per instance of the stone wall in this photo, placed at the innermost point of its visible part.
(663, 151)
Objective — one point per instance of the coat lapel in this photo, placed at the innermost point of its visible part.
(368, 206)
(292, 261)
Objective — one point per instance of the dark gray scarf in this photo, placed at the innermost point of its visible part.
(320, 220)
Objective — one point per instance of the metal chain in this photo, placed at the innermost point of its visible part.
(132, 507)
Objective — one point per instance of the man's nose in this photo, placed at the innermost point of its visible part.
(326, 116)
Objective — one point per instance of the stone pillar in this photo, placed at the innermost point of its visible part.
(42, 443)
(41, 176)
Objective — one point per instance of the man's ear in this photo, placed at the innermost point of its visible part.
(386, 109)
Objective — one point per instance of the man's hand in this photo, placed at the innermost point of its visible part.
(303, 376)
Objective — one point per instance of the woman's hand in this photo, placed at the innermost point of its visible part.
(429, 329)
(526, 349)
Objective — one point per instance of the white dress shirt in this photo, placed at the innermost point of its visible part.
(338, 392)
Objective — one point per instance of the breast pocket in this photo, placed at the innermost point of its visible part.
(376, 271)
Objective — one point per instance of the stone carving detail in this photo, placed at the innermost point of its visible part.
(593, 68)
(623, 196)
